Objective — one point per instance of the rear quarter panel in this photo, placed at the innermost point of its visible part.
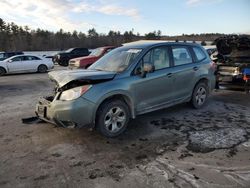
(206, 71)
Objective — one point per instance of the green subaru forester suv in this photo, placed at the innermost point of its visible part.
(134, 79)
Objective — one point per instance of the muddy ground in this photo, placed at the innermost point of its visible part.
(175, 147)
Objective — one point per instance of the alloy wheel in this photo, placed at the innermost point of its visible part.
(201, 95)
(115, 119)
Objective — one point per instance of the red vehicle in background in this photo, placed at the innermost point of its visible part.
(85, 62)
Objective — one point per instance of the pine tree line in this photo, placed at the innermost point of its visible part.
(18, 38)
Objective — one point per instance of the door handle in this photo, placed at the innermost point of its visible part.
(169, 75)
(195, 68)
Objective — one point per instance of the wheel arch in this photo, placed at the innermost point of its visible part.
(42, 64)
(3, 69)
(202, 79)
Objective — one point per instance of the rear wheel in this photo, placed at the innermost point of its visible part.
(112, 118)
(2, 71)
(42, 69)
(200, 95)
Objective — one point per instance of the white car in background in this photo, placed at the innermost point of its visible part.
(25, 63)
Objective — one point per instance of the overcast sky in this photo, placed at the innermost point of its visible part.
(172, 17)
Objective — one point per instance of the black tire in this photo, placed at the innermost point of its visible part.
(2, 71)
(42, 68)
(111, 111)
(200, 94)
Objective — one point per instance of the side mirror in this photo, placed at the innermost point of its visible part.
(10, 61)
(147, 68)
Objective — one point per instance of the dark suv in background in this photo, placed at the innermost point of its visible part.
(134, 79)
(62, 58)
(5, 55)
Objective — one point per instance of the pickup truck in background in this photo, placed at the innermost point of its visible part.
(62, 58)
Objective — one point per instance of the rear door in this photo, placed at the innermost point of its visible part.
(31, 63)
(184, 71)
(155, 90)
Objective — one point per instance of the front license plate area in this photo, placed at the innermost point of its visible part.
(40, 109)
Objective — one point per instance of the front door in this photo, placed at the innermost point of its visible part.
(155, 90)
(15, 65)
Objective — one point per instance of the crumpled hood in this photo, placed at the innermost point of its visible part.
(65, 76)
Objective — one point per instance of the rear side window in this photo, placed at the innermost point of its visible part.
(35, 58)
(80, 51)
(181, 56)
(200, 55)
(30, 58)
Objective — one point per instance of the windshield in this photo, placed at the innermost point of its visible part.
(96, 52)
(117, 60)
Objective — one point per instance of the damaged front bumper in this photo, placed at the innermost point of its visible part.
(76, 113)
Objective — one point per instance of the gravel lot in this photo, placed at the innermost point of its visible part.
(175, 147)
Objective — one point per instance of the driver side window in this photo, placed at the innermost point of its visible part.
(158, 57)
(20, 58)
(75, 51)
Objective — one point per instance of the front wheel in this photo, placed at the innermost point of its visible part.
(112, 118)
(200, 95)
(2, 71)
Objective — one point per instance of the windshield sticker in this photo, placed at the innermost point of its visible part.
(134, 51)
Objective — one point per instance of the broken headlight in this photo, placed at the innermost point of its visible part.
(74, 93)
